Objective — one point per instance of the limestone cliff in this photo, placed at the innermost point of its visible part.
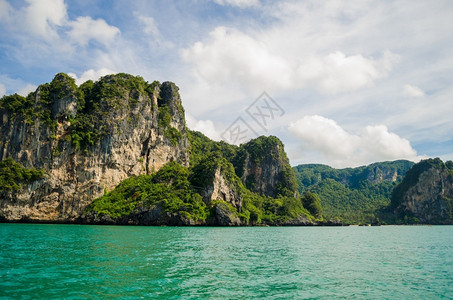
(426, 193)
(87, 139)
(264, 167)
(377, 173)
(220, 188)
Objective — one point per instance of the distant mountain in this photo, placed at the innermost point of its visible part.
(354, 195)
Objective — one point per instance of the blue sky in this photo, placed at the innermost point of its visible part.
(356, 81)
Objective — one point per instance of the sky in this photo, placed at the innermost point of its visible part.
(343, 83)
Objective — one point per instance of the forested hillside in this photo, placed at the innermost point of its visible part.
(354, 195)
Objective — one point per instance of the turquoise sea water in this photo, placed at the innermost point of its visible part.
(104, 262)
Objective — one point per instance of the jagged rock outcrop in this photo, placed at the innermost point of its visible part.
(87, 139)
(301, 220)
(222, 189)
(224, 216)
(426, 193)
(383, 171)
(264, 167)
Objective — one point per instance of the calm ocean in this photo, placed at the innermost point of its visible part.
(106, 262)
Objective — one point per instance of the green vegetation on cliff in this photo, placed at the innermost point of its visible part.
(266, 151)
(38, 105)
(97, 100)
(169, 186)
(282, 206)
(13, 175)
(425, 195)
(412, 177)
(89, 108)
(169, 106)
(16, 104)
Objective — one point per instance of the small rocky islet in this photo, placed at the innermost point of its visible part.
(117, 151)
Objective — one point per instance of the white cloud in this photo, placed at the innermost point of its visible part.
(47, 21)
(343, 149)
(151, 29)
(91, 75)
(232, 56)
(2, 90)
(204, 126)
(15, 85)
(43, 17)
(235, 57)
(412, 91)
(85, 29)
(238, 3)
(337, 72)
(27, 90)
(149, 25)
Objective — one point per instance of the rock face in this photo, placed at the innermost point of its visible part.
(426, 193)
(88, 139)
(379, 172)
(225, 217)
(222, 189)
(376, 173)
(264, 168)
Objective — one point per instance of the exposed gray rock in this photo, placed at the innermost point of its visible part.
(427, 200)
(222, 189)
(426, 193)
(266, 169)
(301, 220)
(226, 217)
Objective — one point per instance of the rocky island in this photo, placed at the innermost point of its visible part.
(117, 151)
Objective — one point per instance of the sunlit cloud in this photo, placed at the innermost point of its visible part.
(91, 75)
(84, 29)
(344, 149)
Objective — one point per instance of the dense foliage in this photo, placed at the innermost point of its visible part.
(207, 155)
(16, 103)
(38, 105)
(355, 195)
(313, 204)
(13, 175)
(169, 187)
